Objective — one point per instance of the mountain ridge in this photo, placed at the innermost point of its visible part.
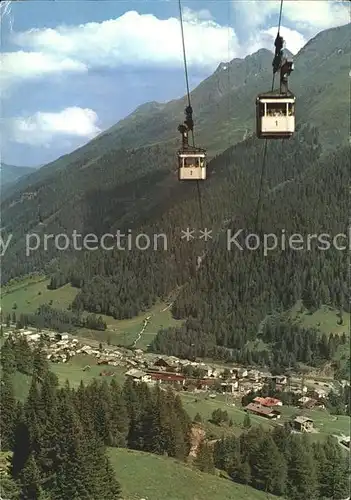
(231, 108)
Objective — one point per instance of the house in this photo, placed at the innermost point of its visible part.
(34, 337)
(262, 411)
(303, 424)
(203, 385)
(268, 402)
(303, 400)
(280, 379)
(138, 375)
(240, 372)
(168, 378)
(317, 393)
(163, 363)
(61, 336)
(254, 375)
(308, 403)
(230, 386)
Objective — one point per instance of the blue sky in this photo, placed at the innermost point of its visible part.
(73, 68)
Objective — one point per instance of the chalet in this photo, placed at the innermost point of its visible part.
(308, 403)
(269, 402)
(303, 424)
(138, 375)
(262, 411)
(168, 378)
(161, 363)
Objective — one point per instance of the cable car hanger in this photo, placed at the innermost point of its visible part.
(191, 159)
(275, 110)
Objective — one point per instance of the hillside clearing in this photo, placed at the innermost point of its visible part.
(32, 292)
(161, 478)
(325, 319)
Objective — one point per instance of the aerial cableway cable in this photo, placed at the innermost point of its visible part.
(276, 64)
(189, 121)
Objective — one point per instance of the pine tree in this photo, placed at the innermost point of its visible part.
(247, 421)
(29, 479)
(302, 471)
(8, 413)
(8, 357)
(269, 470)
(8, 488)
(23, 355)
(40, 364)
(335, 471)
(119, 415)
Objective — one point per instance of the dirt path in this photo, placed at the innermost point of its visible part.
(147, 321)
(197, 435)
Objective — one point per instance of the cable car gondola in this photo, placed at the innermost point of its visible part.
(275, 115)
(191, 160)
(275, 110)
(192, 164)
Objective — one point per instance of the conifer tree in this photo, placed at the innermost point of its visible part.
(335, 471)
(8, 413)
(269, 470)
(8, 357)
(8, 488)
(119, 415)
(21, 445)
(302, 472)
(247, 421)
(29, 479)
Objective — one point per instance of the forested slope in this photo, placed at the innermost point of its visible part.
(136, 190)
(242, 287)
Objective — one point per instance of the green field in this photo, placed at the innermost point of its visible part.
(324, 319)
(161, 478)
(74, 373)
(200, 403)
(32, 292)
(323, 421)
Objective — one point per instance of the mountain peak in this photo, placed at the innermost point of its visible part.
(222, 66)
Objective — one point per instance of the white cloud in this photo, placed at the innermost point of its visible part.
(317, 15)
(41, 128)
(294, 40)
(132, 39)
(28, 65)
(310, 17)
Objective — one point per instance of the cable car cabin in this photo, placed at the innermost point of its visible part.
(192, 165)
(275, 114)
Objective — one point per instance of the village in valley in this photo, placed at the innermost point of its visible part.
(224, 383)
